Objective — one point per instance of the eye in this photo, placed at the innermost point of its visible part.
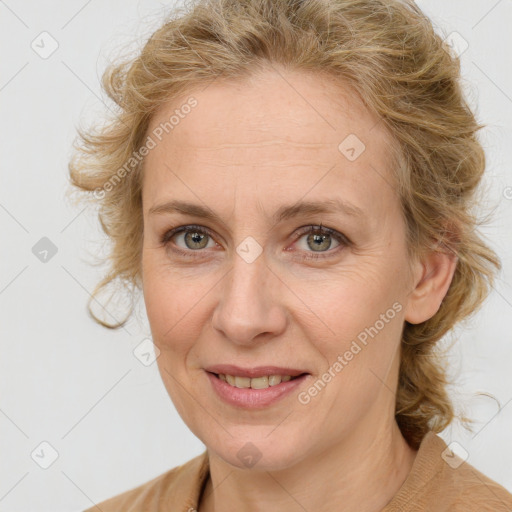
(196, 238)
(319, 238)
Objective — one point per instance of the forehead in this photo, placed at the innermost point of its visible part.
(277, 129)
(246, 110)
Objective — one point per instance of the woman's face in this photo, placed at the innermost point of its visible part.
(248, 290)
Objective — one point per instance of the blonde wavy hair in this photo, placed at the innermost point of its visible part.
(385, 50)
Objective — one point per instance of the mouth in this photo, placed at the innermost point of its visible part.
(255, 392)
(263, 382)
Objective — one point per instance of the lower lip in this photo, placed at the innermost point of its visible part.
(254, 398)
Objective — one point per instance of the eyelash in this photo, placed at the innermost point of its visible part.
(320, 230)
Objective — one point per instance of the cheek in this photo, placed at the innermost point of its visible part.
(356, 291)
(168, 300)
(360, 312)
(178, 308)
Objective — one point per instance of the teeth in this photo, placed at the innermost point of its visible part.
(260, 383)
(256, 383)
(242, 382)
(275, 379)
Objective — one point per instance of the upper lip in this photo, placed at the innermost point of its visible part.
(258, 371)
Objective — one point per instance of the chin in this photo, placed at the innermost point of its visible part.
(262, 453)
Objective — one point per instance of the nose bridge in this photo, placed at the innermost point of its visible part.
(246, 307)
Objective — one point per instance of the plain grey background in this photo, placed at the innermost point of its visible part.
(78, 388)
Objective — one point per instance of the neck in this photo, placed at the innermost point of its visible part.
(335, 479)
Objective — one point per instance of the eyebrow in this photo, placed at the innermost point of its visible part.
(283, 213)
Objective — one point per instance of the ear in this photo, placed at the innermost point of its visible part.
(433, 274)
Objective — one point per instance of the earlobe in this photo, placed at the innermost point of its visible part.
(435, 273)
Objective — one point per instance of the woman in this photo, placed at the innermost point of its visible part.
(289, 183)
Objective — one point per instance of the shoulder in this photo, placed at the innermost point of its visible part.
(474, 491)
(180, 486)
(440, 480)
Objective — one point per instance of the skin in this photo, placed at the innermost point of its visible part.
(246, 149)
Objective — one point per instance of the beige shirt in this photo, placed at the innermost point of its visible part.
(438, 481)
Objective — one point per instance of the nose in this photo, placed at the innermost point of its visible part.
(249, 309)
